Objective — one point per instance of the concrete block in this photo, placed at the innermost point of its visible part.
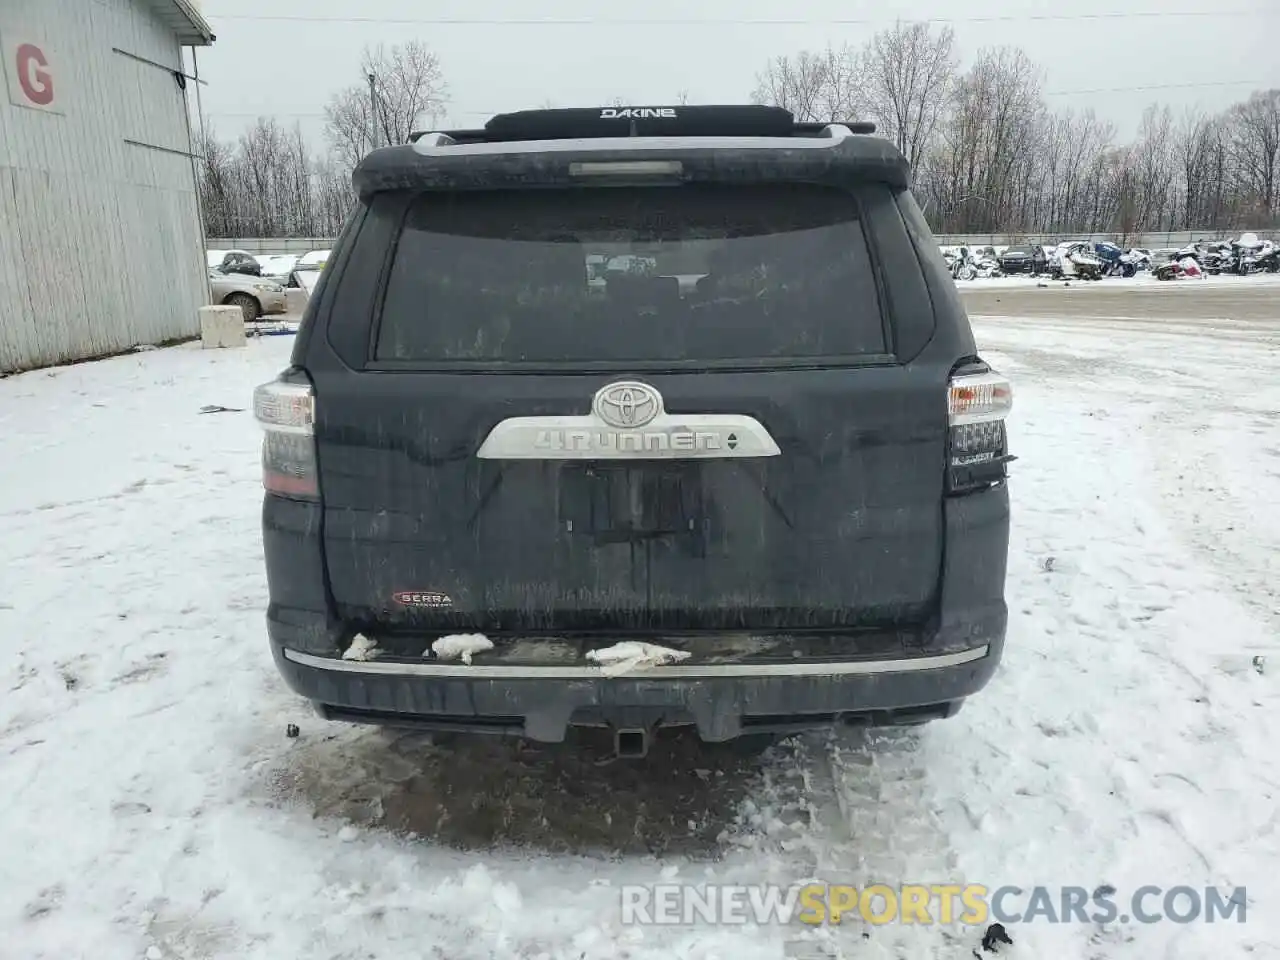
(221, 327)
(296, 299)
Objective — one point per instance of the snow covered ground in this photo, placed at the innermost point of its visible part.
(154, 806)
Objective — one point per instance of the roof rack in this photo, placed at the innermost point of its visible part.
(677, 121)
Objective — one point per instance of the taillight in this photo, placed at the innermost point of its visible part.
(286, 411)
(977, 444)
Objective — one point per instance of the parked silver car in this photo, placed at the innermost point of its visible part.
(254, 296)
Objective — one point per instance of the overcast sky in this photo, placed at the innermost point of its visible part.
(497, 56)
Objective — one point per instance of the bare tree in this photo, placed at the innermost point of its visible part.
(1152, 162)
(843, 95)
(1197, 139)
(796, 84)
(908, 74)
(333, 197)
(266, 184)
(296, 186)
(1255, 149)
(217, 189)
(401, 87)
(990, 133)
(1089, 145)
(988, 155)
(349, 125)
(815, 86)
(261, 147)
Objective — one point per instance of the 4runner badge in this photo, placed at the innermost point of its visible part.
(637, 113)
(628, 421)
(422, 598)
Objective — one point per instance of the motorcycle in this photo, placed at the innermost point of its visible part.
(1246, 253)
(986, 266)
(1196, 251)
(1217, 258)
(1239, 260)
(1179, 267)
(961, 264)
(1267, 258)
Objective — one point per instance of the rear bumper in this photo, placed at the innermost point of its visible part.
(721, 700)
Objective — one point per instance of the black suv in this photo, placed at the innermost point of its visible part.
(748, 472)
(1024, 258)
(236, 262)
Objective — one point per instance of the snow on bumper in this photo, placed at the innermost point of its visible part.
(722, 700)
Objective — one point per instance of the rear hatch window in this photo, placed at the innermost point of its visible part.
(646, 274)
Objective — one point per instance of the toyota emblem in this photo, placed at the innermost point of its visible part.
(627, 404)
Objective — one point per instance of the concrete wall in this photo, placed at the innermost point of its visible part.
(1149, 240)
(267, 245)
(101, 245)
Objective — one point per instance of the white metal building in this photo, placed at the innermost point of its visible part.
(101, 242)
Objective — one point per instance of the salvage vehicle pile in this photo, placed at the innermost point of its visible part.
(1095, 260)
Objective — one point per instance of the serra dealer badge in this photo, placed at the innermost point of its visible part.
(427, 599)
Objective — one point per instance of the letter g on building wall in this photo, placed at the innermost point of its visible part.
(33, 74)
(31, 69)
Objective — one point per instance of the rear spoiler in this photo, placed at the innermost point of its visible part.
(556, 148)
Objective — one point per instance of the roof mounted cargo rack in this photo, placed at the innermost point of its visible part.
(678, 121)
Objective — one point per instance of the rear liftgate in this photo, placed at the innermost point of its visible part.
(630, 479)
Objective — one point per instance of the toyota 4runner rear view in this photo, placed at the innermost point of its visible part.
(636, 418)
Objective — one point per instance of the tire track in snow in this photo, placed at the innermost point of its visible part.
(848, 807)
(1188, 472)
(853, 807)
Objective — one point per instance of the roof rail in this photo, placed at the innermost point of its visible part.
(679, 121)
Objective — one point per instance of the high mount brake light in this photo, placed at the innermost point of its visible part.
(286, 411)
(626, 168)
(977, 443)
